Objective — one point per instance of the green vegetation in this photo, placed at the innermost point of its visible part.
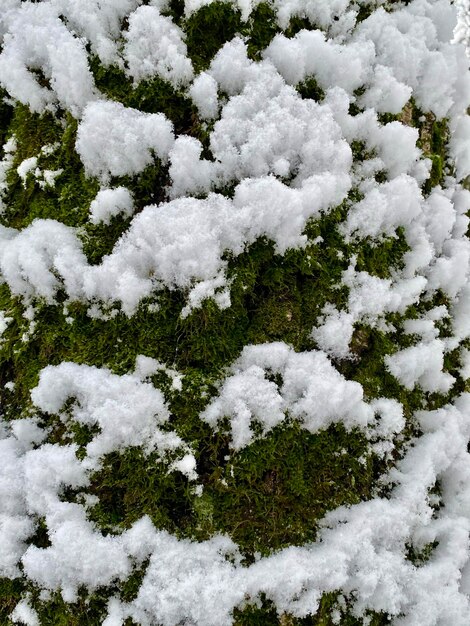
(433, 137)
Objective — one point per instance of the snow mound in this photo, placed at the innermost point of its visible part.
(113, 140)
(312, 391)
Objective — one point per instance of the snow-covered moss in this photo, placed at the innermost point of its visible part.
(234, 311)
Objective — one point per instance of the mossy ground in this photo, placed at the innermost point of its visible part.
(272, 493)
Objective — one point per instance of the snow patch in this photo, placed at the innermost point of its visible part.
(113, 140)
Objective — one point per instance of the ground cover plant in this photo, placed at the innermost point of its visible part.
(234, 312)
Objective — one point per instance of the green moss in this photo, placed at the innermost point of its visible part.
(324, 616)
(437, 170)
(311, 90)
(11, 591)
(6, 113)
(268, 496)
(264, 614)
(261, 29)
(208, 29)
(211, 26)
(68, 201)
(296, 24)
(328, 604)
(273, 493)
(40, 539)
(433, 138)
(365, 10)
(421, 556)
(380, 259)
(273, 298)
(32, 131)
(130, 587)
(131, 485)
(88, 610)
(151, 96)
(370, 347)
(360, 152)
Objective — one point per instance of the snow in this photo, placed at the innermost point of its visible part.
(113, 140)
(361, 551)
(4, 321)
(462, 28)
(49, 177)
(65, 566)
(188, 172)
(6, 164)
(385, 93)
(459, 147)
(25, 167)
(268, 128)
(109, 203)
(155, 47)
(127, 411)
(407, 42)
(145, 367)
(370, 299)
(421, 364)
(45, 178)
(55, 246)
(99, 21)
(186, 246)
(273, 161)
(203, 92)
(323, 12)
(23, 613)
(38, 40)
(312, 391)
(384, 208)
(309, 54)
